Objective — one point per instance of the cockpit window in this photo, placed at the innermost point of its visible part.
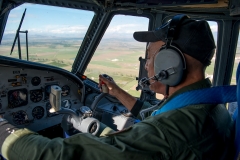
(118, 53)
(54, 34)
(210, 69)
(236, 62)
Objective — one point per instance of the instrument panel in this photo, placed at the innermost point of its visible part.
(24, 96)
(25, 88)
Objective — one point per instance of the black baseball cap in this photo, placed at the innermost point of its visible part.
(193, 38)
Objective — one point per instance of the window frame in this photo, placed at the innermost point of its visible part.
(235, 45)
(224, 62)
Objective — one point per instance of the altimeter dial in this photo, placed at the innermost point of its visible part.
(20, 117)
(36, 95)
(65, 90)
(38, 112)
(36, 81)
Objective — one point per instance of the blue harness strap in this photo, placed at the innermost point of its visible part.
(213, 95)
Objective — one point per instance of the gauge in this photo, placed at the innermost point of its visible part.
(20, 117)
(36, 81)
(17, 98)
(36, 95)
(48, 107)
(66, 103)
(38, 112)
(65, 90)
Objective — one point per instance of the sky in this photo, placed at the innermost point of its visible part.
(65, 22)
(45, 20)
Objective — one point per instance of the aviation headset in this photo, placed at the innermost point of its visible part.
(170, 63)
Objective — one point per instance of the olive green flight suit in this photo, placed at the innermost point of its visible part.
(193, 132)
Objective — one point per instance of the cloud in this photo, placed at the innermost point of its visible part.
(59, 29)
(53, 30)
(124, 28)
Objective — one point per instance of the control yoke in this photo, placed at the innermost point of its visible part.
(82, 121)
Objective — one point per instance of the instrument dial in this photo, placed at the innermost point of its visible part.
(17, 98)
(38, 112)
(20, 117)
(36, 81)
(65, 90)
(36, 95)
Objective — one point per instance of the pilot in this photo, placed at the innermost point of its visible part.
(199, 131)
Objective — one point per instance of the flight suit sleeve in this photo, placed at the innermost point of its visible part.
(144, 140)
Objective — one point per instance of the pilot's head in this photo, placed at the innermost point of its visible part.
(178, 52)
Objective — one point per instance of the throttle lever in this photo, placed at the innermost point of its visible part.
(85, 125)
(103, 85)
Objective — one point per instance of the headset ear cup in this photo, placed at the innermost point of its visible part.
(170, 61)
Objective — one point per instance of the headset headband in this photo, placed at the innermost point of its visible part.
(173, 28)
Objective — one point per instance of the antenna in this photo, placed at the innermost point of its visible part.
(17, 36)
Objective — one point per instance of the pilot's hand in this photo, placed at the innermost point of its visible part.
(112, 87)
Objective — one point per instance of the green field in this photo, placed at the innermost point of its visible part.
(46, 51)
(115, 57)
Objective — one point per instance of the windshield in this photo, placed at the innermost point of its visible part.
(53, 38)
(118, 53)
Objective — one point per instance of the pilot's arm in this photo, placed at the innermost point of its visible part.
(142, 141)
(131, 103)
